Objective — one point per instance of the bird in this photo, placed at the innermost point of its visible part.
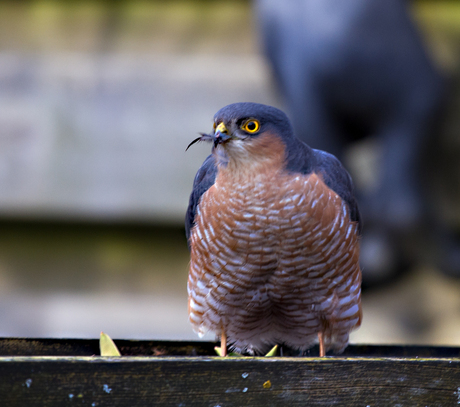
(273, 228)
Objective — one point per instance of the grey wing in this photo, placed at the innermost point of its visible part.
(204, 179)
(337, 178)
(304, 159)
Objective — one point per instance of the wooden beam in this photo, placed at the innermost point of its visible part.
(213, 381)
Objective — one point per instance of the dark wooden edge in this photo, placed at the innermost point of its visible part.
(37, 381)
(90, 347)
(37, 372)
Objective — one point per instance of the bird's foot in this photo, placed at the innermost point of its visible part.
(322, 350)
(222, 350)
(218, 349)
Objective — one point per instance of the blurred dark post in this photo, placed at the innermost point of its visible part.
(358, 70)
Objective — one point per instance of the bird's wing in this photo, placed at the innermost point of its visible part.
(337, 178)
(304, 159)
(204, 179)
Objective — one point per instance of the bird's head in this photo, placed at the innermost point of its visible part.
(249, 131)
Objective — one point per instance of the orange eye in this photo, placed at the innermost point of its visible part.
(251, 126)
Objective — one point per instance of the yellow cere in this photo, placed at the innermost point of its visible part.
(221, 127)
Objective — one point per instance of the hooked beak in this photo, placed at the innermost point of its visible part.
(220, 135)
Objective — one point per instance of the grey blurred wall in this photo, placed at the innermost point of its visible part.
(98, 101)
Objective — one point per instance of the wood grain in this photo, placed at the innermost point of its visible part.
(428, 376)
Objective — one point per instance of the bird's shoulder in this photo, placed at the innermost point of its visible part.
(204, 179)
(306, 160)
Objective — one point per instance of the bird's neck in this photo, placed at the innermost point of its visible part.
(249, 159)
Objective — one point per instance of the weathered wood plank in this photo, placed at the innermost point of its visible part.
(60, 374)
(199, 381)
(89, 347)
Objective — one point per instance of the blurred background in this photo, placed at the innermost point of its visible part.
(98, 101)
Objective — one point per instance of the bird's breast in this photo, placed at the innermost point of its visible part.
(278, 253)
(274, 222)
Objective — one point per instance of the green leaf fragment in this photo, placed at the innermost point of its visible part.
(218, 350)
(273, 351)
(107, 346)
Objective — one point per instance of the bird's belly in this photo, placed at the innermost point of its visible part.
(273, 261)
